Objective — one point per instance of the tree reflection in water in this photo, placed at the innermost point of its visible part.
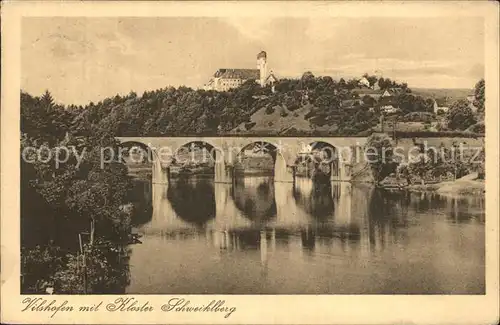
(141, 197)
(458, 209)
(387, 212)
(254, 197)
(192, 199)
(315, 198)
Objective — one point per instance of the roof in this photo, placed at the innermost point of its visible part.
(262, 54)
(237, 74)
(271, 77)
(395, 91)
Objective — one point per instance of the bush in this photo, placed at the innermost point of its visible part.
(269, 110)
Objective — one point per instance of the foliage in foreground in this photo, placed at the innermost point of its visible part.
(64, 202)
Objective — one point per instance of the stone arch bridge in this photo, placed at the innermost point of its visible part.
(225, 150)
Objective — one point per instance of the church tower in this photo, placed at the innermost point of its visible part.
(262, 66)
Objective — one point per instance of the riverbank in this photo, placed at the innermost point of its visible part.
(467, 185)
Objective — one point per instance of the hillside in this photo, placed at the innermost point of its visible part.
(280, 121)
(309, 105)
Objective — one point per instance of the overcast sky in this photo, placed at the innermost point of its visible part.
(88, 59)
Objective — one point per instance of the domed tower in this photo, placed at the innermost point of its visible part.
(262, 66)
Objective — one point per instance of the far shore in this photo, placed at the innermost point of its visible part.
(468, 185)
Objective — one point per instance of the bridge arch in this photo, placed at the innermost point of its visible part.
(159, 174)
(212, 155)
(281, 170)
(146, 155)
(327, 156)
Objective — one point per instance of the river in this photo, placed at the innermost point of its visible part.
(260, 237)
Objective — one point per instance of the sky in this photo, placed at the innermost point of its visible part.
(81, 59)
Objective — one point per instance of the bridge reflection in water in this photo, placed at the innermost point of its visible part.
(250, 212)
(261, 236)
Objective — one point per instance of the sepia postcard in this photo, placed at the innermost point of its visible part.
(250, 162)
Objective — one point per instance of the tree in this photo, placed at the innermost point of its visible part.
(59, 201)
(460, 115)
(384, 83)
(342, 83)
(379, 153)
(369, 101)
(479, 95)
(308, 80)
(372, 80)
(47, 101)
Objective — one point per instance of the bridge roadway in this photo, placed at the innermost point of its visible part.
(225, 150)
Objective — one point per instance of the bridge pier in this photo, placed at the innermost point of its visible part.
(223, 172)
(340, 171)
(282, 172)
(160, 175)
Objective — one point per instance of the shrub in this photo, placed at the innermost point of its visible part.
(269, 110)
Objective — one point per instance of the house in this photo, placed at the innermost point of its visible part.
(271, 80)
(471, 98)
(386, 93)
(392, 92)
(364, 82)
(225, 79)
(389, 109)
(440, 104)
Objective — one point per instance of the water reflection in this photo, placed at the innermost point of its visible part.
(142, 198)
(315, 198)
(274, 234)
(457, 209)
(254, 196)
(192, 199)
